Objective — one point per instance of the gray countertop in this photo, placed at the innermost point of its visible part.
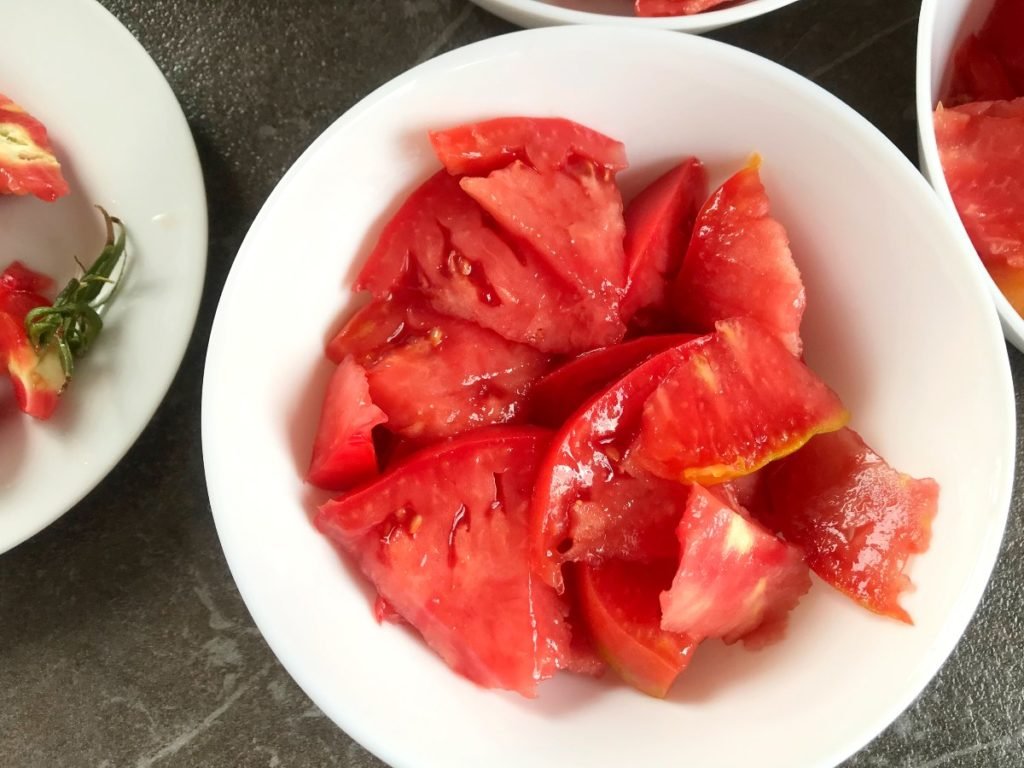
(123, 639)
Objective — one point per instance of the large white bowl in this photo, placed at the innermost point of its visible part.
(545, 13)
(899, 322)
(944, 25)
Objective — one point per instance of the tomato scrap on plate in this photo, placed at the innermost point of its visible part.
(28, 165)
(675, 7)
(539, 495)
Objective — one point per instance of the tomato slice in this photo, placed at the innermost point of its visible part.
(739, 264)
(555, 397)
(546, 143)
(441, 245)
(590, 503)
(443, 539)
(27, 163)
(735, 580)
(675, 7)
(343, 451)
(659, 222)
(436, 376)
(37, 380)
(736, 401)
(984, 168)
(857, 519)
(620, 601)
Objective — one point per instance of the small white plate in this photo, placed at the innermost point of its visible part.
(944, 25)
(123, 143)
(547, 13)
(898, 321)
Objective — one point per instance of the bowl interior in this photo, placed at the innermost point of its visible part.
(898, 322)
(944, 25)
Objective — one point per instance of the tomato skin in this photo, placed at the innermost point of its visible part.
(738, 264)
(27, 163)
(545, 143)
(659, 222)
(735, 580)
(443, 538)
(554, 397)
(736, 400)
(620, 602)
(343, 450)
(856, 518)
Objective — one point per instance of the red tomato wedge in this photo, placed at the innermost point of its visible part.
(589, 503)
(37, 380)
(735, 580)
(736, 401)
(19, 278)
(980, 147)
(659, 222)
(443, 539)
(436, 376)
(343, 452)
(856, 518)
(546, 143)
(675, 7)
(739, 264)
(978, 74)
(27, 163)
(620, 602)
(441, 245)
(554, 397)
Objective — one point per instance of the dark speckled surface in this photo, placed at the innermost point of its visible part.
(123, 640)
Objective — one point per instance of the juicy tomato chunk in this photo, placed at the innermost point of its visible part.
(675, 7)
(20, 278)
(443, 539)
(590, 503)
(737, 400)
(343, 451)
(739, 264)
(979, 145)
(620, 601)
(441, 245)
(555, 397)
(436, 376)
(1002, 33)
(28, 165)
(978, 74)
(735, 580)
(38, 380)
(856, 518)
(546, 143)
(659, 222)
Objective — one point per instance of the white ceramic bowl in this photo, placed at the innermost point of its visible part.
(546, 13)
(898, 321)
(944, 25)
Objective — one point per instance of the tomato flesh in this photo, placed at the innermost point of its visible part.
(27, 163)
(735, 580)
(856, 518)
(659, 222)
(545, 143)
(675, 7)
(739, 264)
(21, 279)
(978, 75)
(443, 539)
(1002, 34)
(620, 602)
(736, 401)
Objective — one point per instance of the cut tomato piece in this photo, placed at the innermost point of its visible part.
(1002, 33)
(984, 168)
(27, 162)
(737, 400)
(546, 143)
(443, 539)
(343, 452)
(620, 602)
(38, 380)
(436, 376)
(856, 518)
(441, 245)
(556, 396)
(19, 278)
(659, 222)
(589, 503)
(675, 7)
(735, 580)
(978, 74)
(739, 264)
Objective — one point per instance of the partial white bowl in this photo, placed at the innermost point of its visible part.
(898, 321)
(545, 13)
(123, 143)
(944, 25)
